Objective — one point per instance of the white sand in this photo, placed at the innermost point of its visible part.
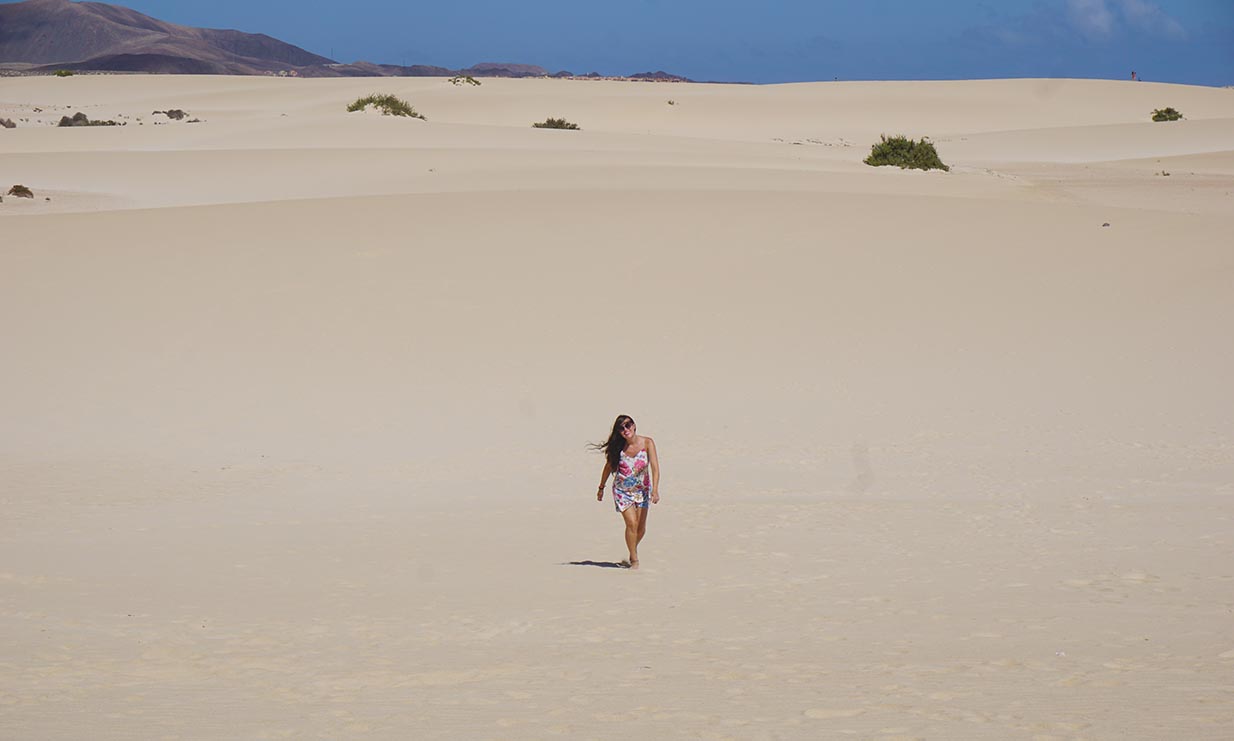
(294, 409)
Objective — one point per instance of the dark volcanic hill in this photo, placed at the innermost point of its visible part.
(97, 36)
(659, 76)
(505, 69)
(44, 35)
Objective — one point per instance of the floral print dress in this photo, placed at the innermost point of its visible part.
(632, 484)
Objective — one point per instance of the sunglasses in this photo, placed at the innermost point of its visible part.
(628, 424)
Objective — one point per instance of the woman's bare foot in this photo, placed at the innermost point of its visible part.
(634, 563)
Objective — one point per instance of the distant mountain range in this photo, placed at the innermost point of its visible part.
(46, 35)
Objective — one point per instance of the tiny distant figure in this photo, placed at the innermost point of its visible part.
(631, 459)
(1133, 77)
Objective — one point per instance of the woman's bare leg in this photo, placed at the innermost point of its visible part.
(631, 518)
(642, 523)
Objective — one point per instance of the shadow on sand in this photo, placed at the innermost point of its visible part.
(601, 564)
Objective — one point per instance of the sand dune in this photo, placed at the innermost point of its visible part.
(295, 408)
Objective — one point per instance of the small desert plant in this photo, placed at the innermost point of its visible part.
(464, 80)
(672, 102)
(905, 153)
(1166, 114)
(174, 114)
(64, 73)
(389, 105)
(20, 191)
(556, 123)
(81, 119)
(7, 123)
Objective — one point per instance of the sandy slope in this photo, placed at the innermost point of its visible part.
(295, 406)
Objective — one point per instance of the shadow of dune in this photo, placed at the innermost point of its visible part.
(601, 564)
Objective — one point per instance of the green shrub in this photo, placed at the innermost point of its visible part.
(389, 105)
(64, 73)
(1166, 114)
(20, 191)
(905, 153)
(556, 123)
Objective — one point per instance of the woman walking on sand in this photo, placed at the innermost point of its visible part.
(631, 459)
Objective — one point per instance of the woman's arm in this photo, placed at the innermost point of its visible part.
(654, 460)
(603, 481)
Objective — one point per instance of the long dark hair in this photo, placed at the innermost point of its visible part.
(615, 443)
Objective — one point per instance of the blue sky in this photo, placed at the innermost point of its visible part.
(1189, 41)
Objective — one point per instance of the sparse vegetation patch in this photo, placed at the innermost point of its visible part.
(81, 119)
(389, 105)
(175, 114)
(7, 123)
(464, 80)
(1166, 114)
(556, 123)
(20, 191)
(905, 153)
(63, 73)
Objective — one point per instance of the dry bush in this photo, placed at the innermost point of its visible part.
(389, 105)
(81, 119)
(556, 123)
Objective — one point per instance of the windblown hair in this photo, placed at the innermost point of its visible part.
(615, 443)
